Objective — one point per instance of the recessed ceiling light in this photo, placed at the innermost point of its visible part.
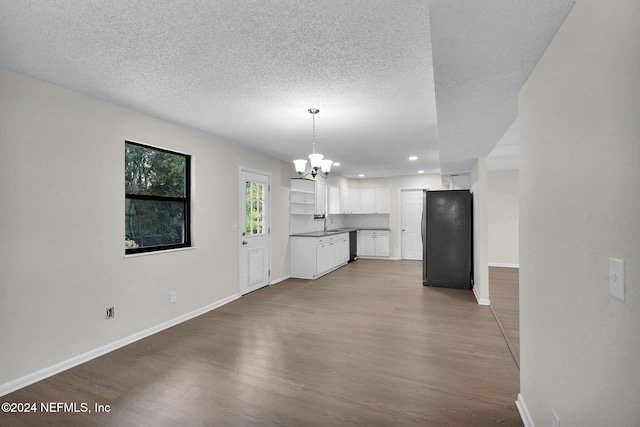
(420, 171)
(336, 163)
(361, 175)
(413, 158)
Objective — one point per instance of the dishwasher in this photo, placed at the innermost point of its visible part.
(353, 245)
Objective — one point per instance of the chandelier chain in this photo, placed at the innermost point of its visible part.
(313, 112)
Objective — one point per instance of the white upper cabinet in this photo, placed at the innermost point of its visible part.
(344, 200)
(354, 200)
(335, 200)
(339, 200)
(382, 200)
(367, 200)
(374, 200)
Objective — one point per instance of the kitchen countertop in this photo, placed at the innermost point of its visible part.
(336, 231)
(324, 233)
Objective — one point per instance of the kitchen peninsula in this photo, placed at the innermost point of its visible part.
(316, 253)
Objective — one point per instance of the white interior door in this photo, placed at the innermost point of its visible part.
(255, 230)
(411, 205)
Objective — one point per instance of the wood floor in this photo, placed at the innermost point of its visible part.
(366, 345)
(504, 295)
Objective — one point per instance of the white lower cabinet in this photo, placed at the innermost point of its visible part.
(381, 245)
(311, 257)
(366, 245)
(373, 243)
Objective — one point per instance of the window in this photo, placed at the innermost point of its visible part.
(157, 199)
(254, 219)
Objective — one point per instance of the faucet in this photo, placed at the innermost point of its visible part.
(325, 222)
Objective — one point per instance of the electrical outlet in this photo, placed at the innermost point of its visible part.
(110, 313)
(172, 297)
(555, 421)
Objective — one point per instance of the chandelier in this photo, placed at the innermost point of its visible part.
(319, 165)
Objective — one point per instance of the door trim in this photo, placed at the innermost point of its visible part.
(241, 215)
(400, 190)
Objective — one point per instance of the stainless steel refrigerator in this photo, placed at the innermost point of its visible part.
(447, 239)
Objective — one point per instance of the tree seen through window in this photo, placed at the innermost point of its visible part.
(156, 199)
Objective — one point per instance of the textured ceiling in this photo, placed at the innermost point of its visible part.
(247, 71)
(483, 53)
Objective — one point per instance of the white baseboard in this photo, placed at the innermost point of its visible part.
(481, 301)
(281, 279)
(379, 257)
(503, 265)
(524, 412)
(42, 374)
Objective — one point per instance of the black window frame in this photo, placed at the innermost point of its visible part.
(186, 200)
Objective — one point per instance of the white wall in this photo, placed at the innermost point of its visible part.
(460, 182)
(478, 180)
(502, 206)
(62, 225)
(579, 205)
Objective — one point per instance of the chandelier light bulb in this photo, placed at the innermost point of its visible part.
(301, 165)
(316, 159)
(325, 165)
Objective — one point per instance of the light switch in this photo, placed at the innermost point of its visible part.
(616, 278)
(234, 226)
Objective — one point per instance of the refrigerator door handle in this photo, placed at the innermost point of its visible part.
(424, 220)
(423, 225)
(424, 216)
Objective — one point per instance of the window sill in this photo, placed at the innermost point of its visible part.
(159, 252)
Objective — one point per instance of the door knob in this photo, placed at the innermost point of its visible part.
(244, 242)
